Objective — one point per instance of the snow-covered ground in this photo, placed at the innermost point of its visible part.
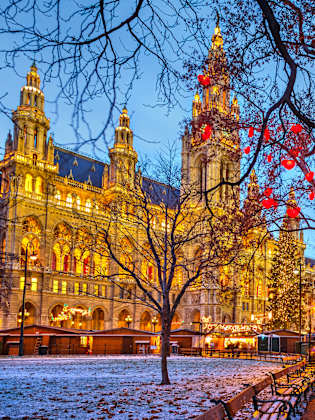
(119, 387)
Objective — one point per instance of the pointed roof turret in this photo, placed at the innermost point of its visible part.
(217, 40)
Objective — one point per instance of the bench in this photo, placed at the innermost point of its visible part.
(283, 404)
(272, 409)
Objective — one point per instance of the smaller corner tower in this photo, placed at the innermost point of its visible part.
(30, 122)
(123, 157)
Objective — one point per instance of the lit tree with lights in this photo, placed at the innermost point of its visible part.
(284, 287)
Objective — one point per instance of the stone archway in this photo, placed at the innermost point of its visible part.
(122, 323)
(98, 319)
(145, 321)
(53, 316)
(79, 320)
(29, 314)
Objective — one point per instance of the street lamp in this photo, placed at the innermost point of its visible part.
(154, 322)
(128, 319)
(33, 257)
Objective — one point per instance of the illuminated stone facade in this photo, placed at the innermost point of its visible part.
(52, 198)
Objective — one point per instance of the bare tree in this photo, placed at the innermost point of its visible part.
(162, 242)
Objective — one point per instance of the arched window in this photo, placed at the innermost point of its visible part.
(39, 185)
(63, 231)
(88, 205)
(28, 183)
(28, 99)
(35, 100)
(29, 314)
(98, 319)
(69, 200)
(78, 202)
(145, 321)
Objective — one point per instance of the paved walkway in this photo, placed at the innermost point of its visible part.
(310, 410)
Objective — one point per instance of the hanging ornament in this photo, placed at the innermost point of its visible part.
(203, 80)
(250, 131)
(247, 150)
(309, 176)
(267, 134)
(206, 131)
(268, 192)
(269, 158)
(288, 163)
(296, 128)
(311, 196)
(269, 202)
(293, 212)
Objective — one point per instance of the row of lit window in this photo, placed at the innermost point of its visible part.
(78, 288)
(63, 287)
(70, 202)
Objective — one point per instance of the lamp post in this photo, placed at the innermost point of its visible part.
(33, 257)
(128, 319)
(154, 322)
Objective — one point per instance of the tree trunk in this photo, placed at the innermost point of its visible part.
(165, 346)
(234, 306)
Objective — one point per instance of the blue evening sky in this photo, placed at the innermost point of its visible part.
(153, 126)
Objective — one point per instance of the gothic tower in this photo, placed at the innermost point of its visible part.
(30, 122)
(123, 157)
(210, 149)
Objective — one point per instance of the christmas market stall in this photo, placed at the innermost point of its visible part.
(240, 337)
(284, 341)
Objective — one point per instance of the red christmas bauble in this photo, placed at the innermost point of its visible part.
(203, 80)
(309, 176)
(311, 196)
(250, 131)
(247, 150)
(268, 192)
(296, 128)
(206, 132)
(288, 163)
(269, 202)
(293, 212)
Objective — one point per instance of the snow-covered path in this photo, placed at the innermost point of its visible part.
(119, 387)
